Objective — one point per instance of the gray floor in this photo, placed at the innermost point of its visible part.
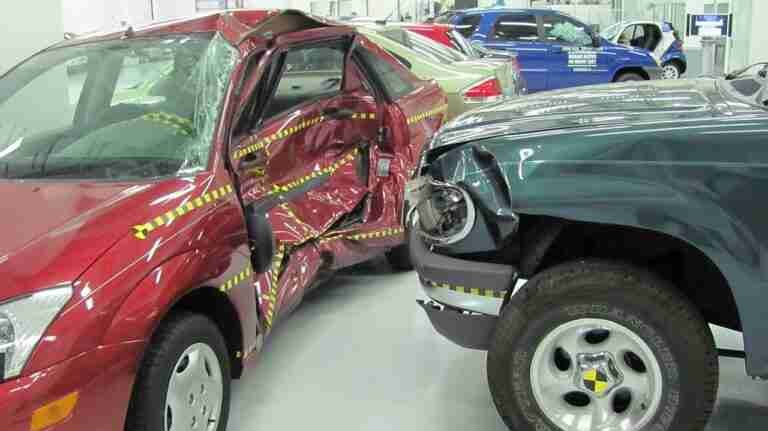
(360, 355)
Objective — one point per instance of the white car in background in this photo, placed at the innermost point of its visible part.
(659, 38)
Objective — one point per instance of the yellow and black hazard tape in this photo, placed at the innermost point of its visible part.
(364, 116)
(237, 279)
(274, 277)
(257, 144)
(424, 115)
(383, 233)
(377, 234)
(487, 293)
(180, 125)
(142, 231)
(322, 172)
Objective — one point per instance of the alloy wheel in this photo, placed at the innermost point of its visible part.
(670, 71)
(595, 374)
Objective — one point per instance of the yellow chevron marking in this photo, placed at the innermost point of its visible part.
(254, 144)
(142, 231)
(424, 115)
(235, 280)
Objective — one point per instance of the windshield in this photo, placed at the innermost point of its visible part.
(115, 110)
(612, 31)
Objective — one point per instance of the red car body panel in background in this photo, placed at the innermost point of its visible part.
(437, 32)
(134, 250)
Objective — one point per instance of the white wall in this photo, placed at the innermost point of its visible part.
(167, 9)
(26, 27)
(267, 4)
(759, 41)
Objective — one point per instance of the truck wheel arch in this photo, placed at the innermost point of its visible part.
(552, 241)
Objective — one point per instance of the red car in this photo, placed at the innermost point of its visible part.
(171, 193)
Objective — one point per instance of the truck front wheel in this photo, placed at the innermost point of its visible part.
(600, 345)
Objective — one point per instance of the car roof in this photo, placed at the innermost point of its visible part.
(236, 25)
(495, 10)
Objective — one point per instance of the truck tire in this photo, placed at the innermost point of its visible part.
(602, 342)
(629, 76)
(184, 378)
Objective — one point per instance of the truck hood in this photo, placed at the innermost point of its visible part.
(55, 230)
(592, 106)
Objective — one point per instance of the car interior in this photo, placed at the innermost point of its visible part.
(642, 36)
(308, 74)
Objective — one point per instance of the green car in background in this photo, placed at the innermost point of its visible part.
(468, 83)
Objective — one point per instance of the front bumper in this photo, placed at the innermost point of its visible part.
(466, 295)
(103, 380)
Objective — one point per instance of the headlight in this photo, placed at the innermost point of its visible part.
(23, 322)
(446, 212)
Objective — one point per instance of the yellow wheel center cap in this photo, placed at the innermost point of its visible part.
(598, 373)
(595, 380)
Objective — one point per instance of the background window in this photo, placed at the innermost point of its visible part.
(395, 85)
(468, 24)
(310, 73)
(516, 27)
(564, 30)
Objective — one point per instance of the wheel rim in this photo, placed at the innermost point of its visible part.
(595, 374)
(195, 391)
(671, 72)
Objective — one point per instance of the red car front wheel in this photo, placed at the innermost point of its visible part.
(184, 380)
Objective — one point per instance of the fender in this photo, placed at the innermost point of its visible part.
(633, 180)
(675, 54)
(155, 296)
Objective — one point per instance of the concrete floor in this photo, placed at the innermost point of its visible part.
(360, 355)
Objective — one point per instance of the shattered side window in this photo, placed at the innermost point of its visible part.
(560, 29)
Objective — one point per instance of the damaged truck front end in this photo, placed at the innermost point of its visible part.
(458, 229)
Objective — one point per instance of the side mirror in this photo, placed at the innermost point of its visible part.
(597, 41)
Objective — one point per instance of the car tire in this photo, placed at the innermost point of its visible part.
(630, 76)
(671, 70)
(400, 258)
(188, 356)
(673, 387)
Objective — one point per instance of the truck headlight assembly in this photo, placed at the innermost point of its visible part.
(446, 213)
(23, 322)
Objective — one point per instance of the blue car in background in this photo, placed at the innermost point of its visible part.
(555, 50)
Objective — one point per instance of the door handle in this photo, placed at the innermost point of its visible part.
(338, 113)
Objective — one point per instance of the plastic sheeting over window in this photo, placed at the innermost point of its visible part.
(213, 78)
